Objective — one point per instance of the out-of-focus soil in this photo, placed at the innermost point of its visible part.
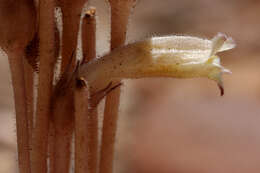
(173, 125)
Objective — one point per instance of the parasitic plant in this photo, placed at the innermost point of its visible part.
(69, 105)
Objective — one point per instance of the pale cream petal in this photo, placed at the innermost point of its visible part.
(229, 44)
(217, 43)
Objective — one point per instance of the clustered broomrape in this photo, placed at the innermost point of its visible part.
(63, 108)
(168, 56)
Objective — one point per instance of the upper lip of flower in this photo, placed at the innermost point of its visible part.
(222, 43)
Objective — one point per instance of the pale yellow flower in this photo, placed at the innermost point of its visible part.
(168, 56)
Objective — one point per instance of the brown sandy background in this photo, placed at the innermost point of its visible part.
(173, 125)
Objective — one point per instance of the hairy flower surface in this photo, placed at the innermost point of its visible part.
(168, 56)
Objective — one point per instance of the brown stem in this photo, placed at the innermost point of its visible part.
(120, 11)
(71, 12)
(17, 28)
(81, 128)
(47, 60)
(63, 133)
(63, 123)
(63, 119)
(51, 142)
(63, 136)
(89, 35)
(89, 52)
(29, 89)
(17, 71)
(51, 148)
(93, 141)
(109, 131)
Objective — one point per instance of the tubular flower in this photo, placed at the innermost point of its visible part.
(168, 56)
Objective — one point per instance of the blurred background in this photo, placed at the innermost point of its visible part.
(174, 125)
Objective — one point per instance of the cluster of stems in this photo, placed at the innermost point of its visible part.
(45, 134)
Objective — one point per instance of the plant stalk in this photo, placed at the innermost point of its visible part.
(51, 147)
(46, 70)
(63, 137)
(52, 134)
(89, 52)
(64, 120)
(29, 88)
(120, 11)
(89, 35)
(81, 128)
(71, 12)
(17, 28)
(17, 71)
